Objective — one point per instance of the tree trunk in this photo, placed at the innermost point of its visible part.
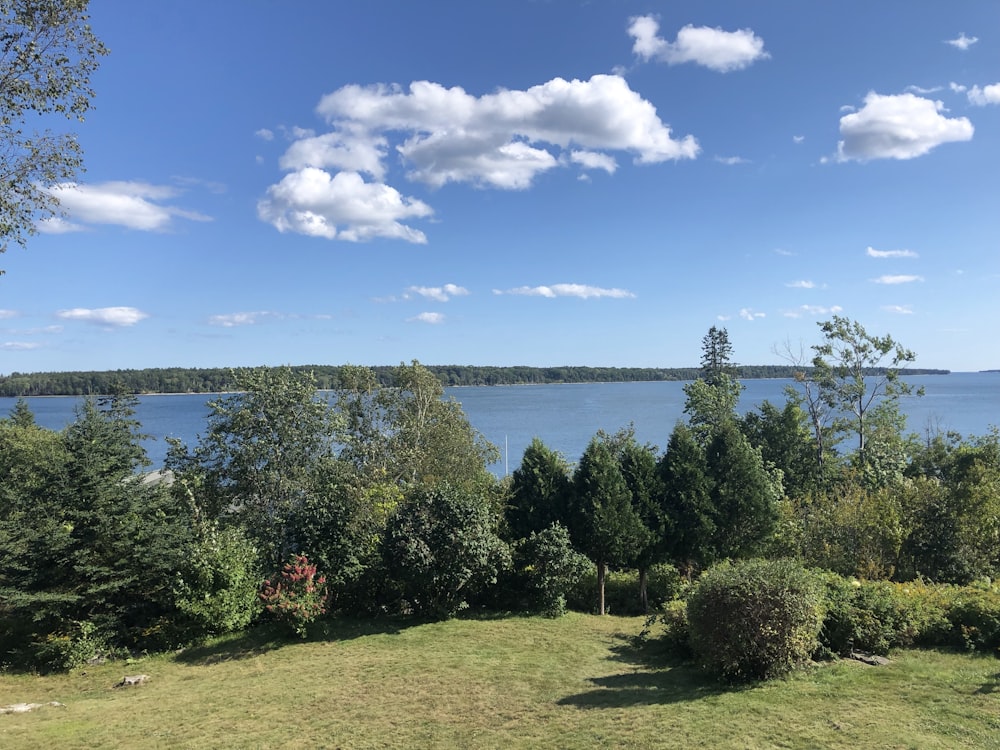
(602, 569)
(643, 594)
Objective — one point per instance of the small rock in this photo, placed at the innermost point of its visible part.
(872, 659)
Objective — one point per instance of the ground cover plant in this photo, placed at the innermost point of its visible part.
(575, 681)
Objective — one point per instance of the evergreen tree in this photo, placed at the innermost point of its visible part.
(687, 500)
(539, 491)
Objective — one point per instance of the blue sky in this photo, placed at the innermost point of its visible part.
(541, 183)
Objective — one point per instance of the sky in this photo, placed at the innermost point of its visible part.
(521, 182)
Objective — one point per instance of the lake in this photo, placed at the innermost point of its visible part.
(566, 416)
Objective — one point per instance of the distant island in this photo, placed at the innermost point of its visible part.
(220, 379)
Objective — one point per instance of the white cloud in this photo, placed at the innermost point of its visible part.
(135, 205)
(19, 346)
(343, 206)
(568, 290)
(899, 309)
(873, 253)
(798, 138)
(900, 126)
(985, 95)
(722, 51)
(731, 160)
(353, 152)
(4, 314)
(782, 251)
(432, 318)
(231, 320)
(962, 41)
(897, 279)
(813, 311)
(455, 136)
(105, 316)
(594, 160)
(801, 284)
(957, 87)
(438, 293)
(265, 134)
(921, 90)
(747, 314)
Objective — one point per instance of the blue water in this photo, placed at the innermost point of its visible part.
(565, 417)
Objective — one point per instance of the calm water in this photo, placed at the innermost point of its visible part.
(565, 417)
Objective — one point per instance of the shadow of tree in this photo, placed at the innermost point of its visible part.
(993, 686)
(270, 636)
(656, 676)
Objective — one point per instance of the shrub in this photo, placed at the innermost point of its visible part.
(549, 567)
(296, 595)
(676, 635)
(755, 619)
(80, 645)
(975, 618)
(862, 615)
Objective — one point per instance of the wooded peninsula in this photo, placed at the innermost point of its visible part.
(329, 377)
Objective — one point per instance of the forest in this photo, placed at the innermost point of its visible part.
(378, 503)
(329, 377)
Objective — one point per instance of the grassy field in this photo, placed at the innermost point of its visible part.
(579, 681)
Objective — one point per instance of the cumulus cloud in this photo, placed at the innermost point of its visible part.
(568, 290)
(265, 134)
(962, 41)
(985, 95)
(748, 314)
(897, 279)
(105, 316)
(336, 182)
(899, 309)
(722, 51)
(432, 318)
(342, 206)
(135, 205)
(437, 293)
(873, 253)
(801, 284)
(899, 126)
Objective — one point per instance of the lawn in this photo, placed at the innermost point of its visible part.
(579, 681)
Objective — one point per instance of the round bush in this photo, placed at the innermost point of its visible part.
(755, 619)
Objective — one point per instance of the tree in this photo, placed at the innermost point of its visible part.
(259, 459)
(785, 442)
(856, 372)
(744, 495)
(409, 433)
(687, 500)
(539, 491)
(47, 56)
(712, 398)
(605, 526)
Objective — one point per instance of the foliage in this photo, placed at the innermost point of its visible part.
(853, 380)
(47, 55)
(78, 646)
(785, 442)
(409, 433)
(675, 635)
(687, 500)
(862, 615)
(296, 595)
(743, 495)
(216, 587)
(259, 457)
(755, 619)
(539, 491)
(441, 547)
(713, 396)
(548, 569)
(605, 525)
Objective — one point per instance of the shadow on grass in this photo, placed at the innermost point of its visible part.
(270, 637)
(657, 677)
(988, 688)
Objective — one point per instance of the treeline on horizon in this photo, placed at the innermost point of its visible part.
(330, 377)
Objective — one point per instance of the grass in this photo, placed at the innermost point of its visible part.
(579, 681)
